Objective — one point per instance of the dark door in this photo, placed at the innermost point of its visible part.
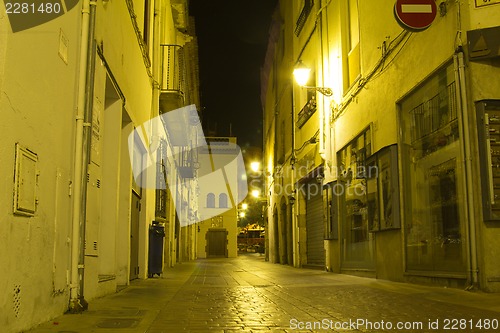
(217, 243)
(314, 228)
(134, 236)
(284, 235)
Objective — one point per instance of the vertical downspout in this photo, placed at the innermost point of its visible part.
(321, 114)
(462, 103)
(77, 302)
(295, 234)
(324, 118)
(463, 108)
(275, 147)
(155, 141)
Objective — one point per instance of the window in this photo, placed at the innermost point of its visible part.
(223, 200)
(352, 63)
(210, 200)
(145, 33)
(432, 174)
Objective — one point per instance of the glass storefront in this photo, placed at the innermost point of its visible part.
(432, 176)
(357, 240)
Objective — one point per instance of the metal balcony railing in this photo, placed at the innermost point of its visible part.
(186, 162)
(301, 21)
(434, 114)
(173, 64)
(306, 112)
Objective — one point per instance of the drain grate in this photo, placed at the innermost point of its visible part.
(119, 313)
(118, 323)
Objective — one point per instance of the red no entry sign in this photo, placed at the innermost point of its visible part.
(415, 15)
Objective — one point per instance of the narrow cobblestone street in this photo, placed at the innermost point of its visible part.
(247, 294)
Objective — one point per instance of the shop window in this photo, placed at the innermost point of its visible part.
(382, 189)
(432, 176)
(488, 130)
(357, 240)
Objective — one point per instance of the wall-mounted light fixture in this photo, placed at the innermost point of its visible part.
(301, 73)
(255, 193)
(255, 166)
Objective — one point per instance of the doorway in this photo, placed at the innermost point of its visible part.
(216, 243)
(134, 236)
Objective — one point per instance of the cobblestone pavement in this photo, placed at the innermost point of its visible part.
(247, 294)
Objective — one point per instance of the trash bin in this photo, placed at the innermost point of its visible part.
(155, 259)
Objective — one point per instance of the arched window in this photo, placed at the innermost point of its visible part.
(223, 200)
(210, 200)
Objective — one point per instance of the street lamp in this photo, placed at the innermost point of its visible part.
(244, 206)
(255, 166)
(301, 73)
(255, 193)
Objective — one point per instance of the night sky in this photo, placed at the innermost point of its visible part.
(232, 38)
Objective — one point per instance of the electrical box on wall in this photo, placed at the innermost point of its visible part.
(484, 43)
(488, 123)
(25, 182)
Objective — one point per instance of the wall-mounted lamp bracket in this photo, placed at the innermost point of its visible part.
(325, 91)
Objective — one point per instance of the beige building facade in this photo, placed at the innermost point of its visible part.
(75, 216)
(220, 192)
(389, 173)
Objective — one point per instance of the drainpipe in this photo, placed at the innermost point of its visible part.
(463, 106)
(295, 229)
(77, 302)
(322, 114)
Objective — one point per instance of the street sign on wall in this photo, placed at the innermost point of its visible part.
(480, 3)
(415, 15)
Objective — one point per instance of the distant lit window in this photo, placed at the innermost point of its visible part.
(223, 200)
(210, 200)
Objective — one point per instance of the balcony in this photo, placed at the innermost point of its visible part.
(186, 163)
(304, 14)
(306, 112)
(173, 77)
